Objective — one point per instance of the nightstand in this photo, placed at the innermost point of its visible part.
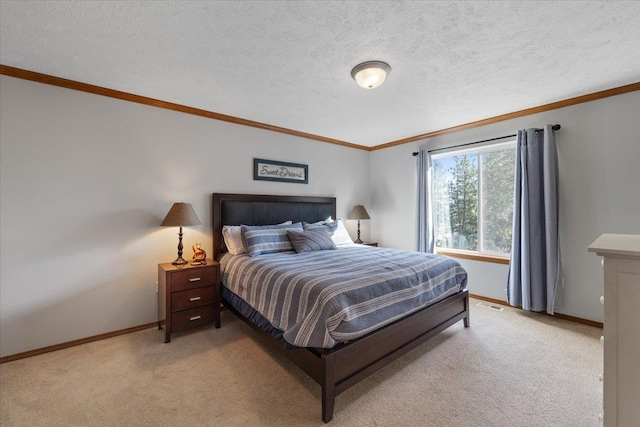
(370, 244)
(188, 296)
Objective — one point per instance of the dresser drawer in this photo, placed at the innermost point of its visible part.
(192, 298)
(191, 318)
(193, 278)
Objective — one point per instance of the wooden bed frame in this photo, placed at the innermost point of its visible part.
(344, 365)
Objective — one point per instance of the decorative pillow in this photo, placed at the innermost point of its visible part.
(265, 239)
(232, 235)
(311, 240)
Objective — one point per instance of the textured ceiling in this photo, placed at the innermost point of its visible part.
(288, 63)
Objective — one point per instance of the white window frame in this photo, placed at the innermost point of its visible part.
(479, 254)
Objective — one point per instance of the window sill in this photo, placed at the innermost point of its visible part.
(473, 256)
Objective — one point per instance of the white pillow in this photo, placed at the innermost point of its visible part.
(232, 235)
(326, 221)
(341, 235)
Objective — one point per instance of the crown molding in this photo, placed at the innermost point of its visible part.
(111, 93)
(526, 112)
(125, 96)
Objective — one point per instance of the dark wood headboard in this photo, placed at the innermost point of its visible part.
(261, 209)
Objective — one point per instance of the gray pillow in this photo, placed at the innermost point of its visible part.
(311, 240)
(266, 239)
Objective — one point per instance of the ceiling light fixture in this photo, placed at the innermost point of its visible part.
(370, 74)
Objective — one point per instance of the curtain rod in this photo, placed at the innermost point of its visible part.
(554, 127)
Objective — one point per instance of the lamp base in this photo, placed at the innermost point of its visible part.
(358, 240)
(180, 261)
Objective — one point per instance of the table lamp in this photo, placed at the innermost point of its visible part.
(180, 214)
(358, 212)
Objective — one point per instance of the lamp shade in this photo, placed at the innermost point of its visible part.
(181, 214)
(358, 212)
(370, 74)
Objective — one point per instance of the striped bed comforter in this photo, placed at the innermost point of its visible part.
(321, 298)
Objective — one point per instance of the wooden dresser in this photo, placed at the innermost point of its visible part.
(621, 395)
(188, 296)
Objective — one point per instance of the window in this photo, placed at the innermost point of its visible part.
(473, 199)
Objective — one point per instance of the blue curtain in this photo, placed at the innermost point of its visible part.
(535, 255)
(424, 217)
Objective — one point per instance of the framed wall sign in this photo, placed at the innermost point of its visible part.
(271, 170)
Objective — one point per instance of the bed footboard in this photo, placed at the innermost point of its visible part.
(346, 364)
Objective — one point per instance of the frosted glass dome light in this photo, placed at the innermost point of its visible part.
(370, 74)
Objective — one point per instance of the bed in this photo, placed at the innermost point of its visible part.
(335, 364)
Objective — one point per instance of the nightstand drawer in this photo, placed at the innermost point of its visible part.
(188, 296)
(192, 298)
(192, 318)
(193, 278)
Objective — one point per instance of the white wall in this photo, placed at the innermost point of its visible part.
(85, 182)
(599, 160)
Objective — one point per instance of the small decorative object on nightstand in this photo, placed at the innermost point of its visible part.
(199, 255)
(358, 212)
(188, 296)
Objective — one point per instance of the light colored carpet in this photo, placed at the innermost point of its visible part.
(510, 368)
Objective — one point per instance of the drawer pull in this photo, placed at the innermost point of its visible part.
(194, 318)
(195, 279)
(195, 299)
